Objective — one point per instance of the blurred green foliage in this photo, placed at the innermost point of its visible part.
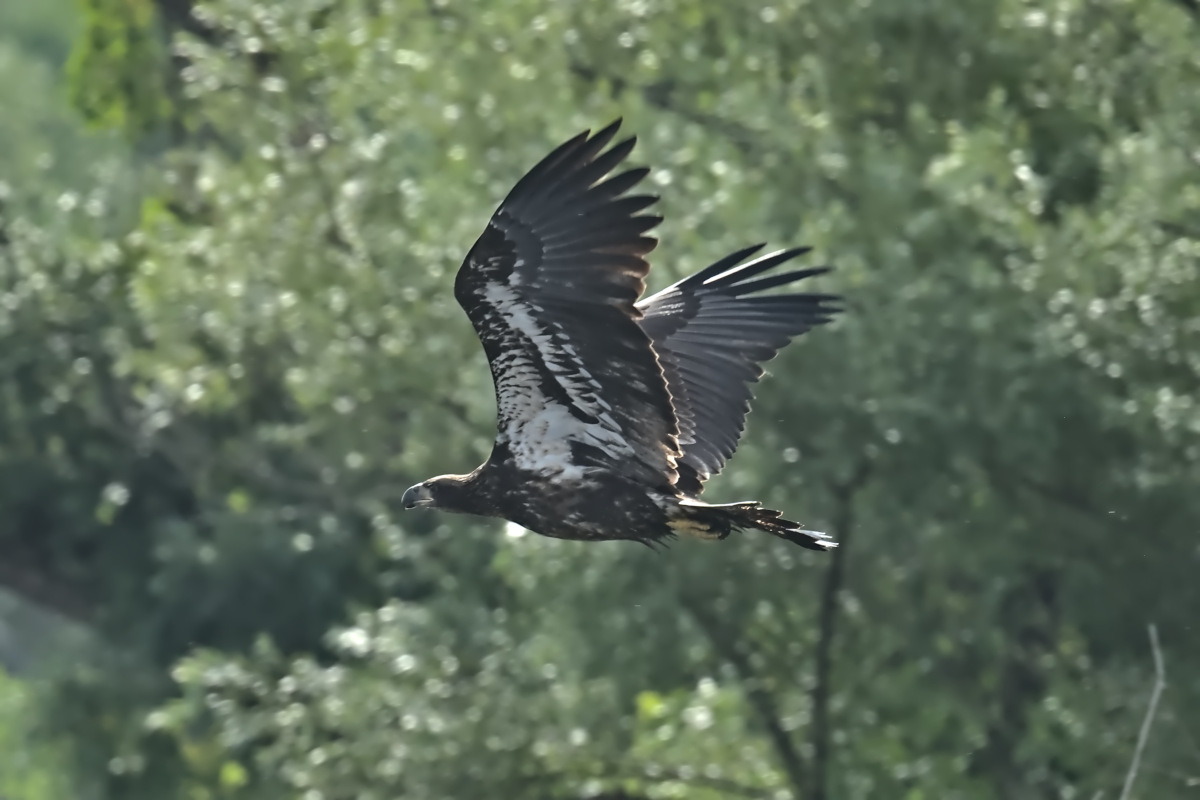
(30, 769)
(207, 416)
(42, 142)
(118, 67)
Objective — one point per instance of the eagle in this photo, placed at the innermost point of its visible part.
(612, 412)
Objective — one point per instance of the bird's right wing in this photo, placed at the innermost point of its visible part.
(712, 331)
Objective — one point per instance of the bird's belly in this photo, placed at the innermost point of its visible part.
(590, 511)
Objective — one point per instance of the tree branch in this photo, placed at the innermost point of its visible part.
(1160, 683)
(760, 699)
(827, 626)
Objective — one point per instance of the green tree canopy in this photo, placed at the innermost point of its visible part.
(209, 415)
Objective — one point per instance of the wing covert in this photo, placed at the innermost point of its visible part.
(550, 288)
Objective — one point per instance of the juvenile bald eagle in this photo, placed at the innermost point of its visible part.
(612, 413)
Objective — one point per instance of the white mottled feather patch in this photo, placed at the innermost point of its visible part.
(539, 430)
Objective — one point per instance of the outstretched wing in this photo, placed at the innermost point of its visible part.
(550, 287)
(712, 331)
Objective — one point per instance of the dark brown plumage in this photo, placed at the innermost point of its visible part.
(611, 412)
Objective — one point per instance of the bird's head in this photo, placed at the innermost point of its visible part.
(444, 492)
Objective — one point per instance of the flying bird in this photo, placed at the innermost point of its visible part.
(613, 412)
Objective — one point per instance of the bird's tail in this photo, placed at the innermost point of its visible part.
(718, 521)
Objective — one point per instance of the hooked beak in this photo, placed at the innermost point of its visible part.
(414, 496)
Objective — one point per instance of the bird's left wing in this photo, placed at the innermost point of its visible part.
(712, 332)
(550, 287)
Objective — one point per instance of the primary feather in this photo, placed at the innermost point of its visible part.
(712, 331)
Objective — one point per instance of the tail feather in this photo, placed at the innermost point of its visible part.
(719, 520)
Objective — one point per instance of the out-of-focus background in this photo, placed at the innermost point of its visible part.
(228, 234)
